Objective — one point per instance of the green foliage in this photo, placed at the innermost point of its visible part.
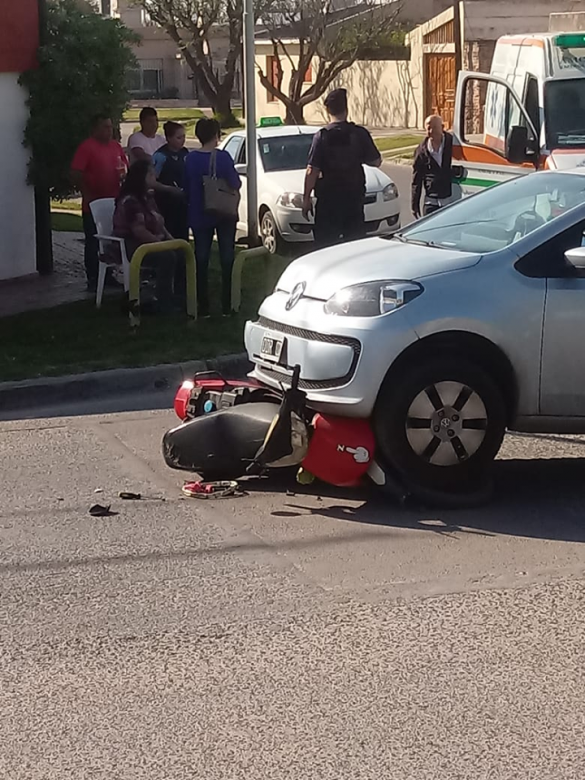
(83, 62)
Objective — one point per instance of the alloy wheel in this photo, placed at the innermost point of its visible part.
(268, 230)
(446, 423)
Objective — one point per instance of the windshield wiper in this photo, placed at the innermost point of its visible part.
(401, 237)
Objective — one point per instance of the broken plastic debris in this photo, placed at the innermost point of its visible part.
(97, 510)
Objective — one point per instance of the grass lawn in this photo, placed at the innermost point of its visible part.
(62, 221)
(77, 337)
(388, 143)
(166, 114)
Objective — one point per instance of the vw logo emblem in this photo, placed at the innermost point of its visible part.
(295, 295)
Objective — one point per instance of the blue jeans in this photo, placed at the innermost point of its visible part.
(226, 239)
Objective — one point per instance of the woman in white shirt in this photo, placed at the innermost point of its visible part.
(143, 144)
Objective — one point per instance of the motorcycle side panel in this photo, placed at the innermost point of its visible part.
(222, 444)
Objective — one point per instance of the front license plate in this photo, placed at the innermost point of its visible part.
(271, 348)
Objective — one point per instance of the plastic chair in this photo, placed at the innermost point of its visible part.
(102, 212)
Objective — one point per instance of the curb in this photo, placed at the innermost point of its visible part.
(99, 384)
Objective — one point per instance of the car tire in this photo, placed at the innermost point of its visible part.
(271, 239)
(440, 425)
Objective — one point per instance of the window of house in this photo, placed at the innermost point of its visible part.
(309, 75)
(272, 71)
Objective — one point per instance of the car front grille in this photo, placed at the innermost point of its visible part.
(281, 374)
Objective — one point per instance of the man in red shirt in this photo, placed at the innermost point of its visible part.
(97, 170)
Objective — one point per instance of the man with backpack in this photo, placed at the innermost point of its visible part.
(335, 173)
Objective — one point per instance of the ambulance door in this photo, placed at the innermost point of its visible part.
(490, 123)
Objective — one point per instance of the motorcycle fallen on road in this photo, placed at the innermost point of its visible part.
(235, 428)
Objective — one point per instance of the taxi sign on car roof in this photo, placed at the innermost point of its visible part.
(271, 121)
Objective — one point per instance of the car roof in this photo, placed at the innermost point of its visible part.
(281, 130)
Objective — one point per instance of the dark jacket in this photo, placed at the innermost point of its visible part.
(427, 172)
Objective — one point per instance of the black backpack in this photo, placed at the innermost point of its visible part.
(342, 159)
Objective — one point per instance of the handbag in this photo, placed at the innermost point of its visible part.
(219, 198)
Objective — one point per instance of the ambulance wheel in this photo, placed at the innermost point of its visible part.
(271, 239)
(440, 425)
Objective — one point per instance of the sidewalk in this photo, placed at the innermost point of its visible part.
(66, 284)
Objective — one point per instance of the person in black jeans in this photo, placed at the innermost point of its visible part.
(432, 169)
(335, 173)
(169, 165)
(205, 225)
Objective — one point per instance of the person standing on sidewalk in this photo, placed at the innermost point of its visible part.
(206, 225)
(97, 170)
(432, 169)
(335, 173)
(144, 143)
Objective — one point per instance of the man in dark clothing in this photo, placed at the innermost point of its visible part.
(335, 173)
(432, 169)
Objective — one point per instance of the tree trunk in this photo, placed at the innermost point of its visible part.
(294, 115)
(223, 108)
(44, 243)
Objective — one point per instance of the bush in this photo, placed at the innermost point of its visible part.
(83, 62)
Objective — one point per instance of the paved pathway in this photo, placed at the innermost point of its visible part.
(65, 285)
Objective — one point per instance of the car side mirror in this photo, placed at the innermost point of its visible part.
(517, 146)
(242, 169)
(576, 257)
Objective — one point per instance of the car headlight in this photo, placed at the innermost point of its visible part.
(372, 298)
(390, 192)
(291, 200)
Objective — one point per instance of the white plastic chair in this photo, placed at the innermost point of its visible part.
(102, 212)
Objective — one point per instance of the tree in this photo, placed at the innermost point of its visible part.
(82, 64)
(190, 24)
(326, 41)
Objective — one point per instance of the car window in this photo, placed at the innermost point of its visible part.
(548, 259)
(564, 103)
(233, 147)
(498, 217)
(285, 153)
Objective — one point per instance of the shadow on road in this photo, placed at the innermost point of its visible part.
(541, 499)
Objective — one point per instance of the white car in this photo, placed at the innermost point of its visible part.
(282, 161)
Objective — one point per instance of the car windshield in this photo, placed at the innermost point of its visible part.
(285, 152)
(498, 217)
(564, 103)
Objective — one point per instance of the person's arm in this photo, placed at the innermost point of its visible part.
(314, 168)
(140, 232)
(158, 162)
(370, 154)
(311, 179)
(231, 175)
(417, 182)
(78, 167)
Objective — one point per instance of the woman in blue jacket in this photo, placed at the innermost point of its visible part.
(205, 225)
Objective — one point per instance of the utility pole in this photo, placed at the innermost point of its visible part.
(42, 201)
(250, 114)
(457, 35)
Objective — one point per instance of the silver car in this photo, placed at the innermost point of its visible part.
(466, 323)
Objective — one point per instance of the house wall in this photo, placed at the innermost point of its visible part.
(18, 45)
(489, 19)
(380, 92)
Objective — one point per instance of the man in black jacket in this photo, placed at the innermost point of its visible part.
(335, 173)
(432, 169)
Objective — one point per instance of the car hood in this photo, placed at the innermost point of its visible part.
(294, 181)
(372, 259)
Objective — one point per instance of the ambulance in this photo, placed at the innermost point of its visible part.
(527, 114)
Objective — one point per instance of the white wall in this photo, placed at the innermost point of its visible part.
(17, 217)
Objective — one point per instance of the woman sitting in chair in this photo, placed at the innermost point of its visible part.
(138, 221)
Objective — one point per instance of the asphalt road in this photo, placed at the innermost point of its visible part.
(315, 633)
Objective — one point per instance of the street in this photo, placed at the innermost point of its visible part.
(294, 632)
